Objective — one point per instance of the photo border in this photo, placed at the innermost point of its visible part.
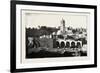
(13, 35)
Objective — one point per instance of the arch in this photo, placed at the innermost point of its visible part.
(78, 45)
(62, 44)
(67, 44)
(57, 44)
(72, 44)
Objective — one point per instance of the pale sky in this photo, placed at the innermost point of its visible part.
(53, 19)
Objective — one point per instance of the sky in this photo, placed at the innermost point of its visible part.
(53, 19)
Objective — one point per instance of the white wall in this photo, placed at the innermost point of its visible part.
(5, 36)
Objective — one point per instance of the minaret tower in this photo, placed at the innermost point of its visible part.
(63, 26)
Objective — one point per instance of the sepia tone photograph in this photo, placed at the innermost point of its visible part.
(55, 34)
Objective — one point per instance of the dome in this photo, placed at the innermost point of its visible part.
(58, 32)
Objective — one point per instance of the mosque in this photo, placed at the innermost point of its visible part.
(61, 37)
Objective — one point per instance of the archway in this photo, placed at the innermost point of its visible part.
(72, 44)
(67, 44)
(57, 44)
(62, 44)
(78, 45)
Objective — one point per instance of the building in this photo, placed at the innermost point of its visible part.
(62, 37)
